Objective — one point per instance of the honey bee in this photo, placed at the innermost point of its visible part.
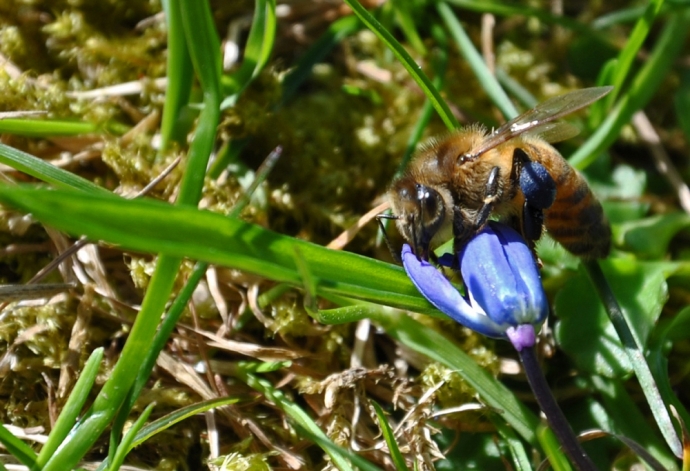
(455, 183)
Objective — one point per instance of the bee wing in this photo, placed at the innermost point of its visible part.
(550, 110)
(556, 132)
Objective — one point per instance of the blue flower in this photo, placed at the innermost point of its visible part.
(505, 298)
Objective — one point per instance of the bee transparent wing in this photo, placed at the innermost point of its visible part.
(546, 112)
(556, 132)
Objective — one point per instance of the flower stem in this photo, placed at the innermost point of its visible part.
(554, 415)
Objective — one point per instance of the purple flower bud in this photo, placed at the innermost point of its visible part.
(502, 281)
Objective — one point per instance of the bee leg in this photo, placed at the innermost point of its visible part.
(532, 222)
(464, 226)
(535, 181)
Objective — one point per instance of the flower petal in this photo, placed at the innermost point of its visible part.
(526, 276)
(488, 276)
(443, 295)
(501, 274)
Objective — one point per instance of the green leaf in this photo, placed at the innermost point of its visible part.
(389, 436)
(584, 331)
(650, 237)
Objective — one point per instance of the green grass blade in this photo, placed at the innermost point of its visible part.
(217, 239)
(389, 436)
(405, 18)
(46, 127)
(125, 445)
(521, 459)
(168, 420)
(622, 15)
(72, 408)
(476, 62)
(635, 353)
(204, 49)
(341, 458)
(180, 75)
(631, 49)
(257, 50)
(17, 448)
(552, 449)
(153, 226)
(410, 65)
(643, 87)
(44, 171)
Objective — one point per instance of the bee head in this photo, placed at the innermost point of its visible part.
(420, 211)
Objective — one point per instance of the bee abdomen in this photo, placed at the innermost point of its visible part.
(577, 220)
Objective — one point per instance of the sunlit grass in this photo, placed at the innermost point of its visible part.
(342, 102)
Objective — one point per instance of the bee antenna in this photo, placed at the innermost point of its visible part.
(379, 218)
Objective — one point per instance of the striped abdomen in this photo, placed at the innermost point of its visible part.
(576, 219)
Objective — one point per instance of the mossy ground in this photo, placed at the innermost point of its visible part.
(342, 135)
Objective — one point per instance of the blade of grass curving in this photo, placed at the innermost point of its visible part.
(636, 355)
(619, 16)
(643, 87)
(44, 171)
(516, 89)
(17, 448)
(389, 436)
(204, 48)
(336, 32)
(180, 74)
(72, 408)
(677, 330)
(256, 52)
(630, 420)
(153, 226)
(168, 420)
(405, 19)
(214, 238)
(125, 445)
(632, 47)
(341, 458)
(521, 461)
(406, 60)
(476, 62)
(439, 63)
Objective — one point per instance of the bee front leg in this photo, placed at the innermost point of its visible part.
(464, 225)
(539, 190)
